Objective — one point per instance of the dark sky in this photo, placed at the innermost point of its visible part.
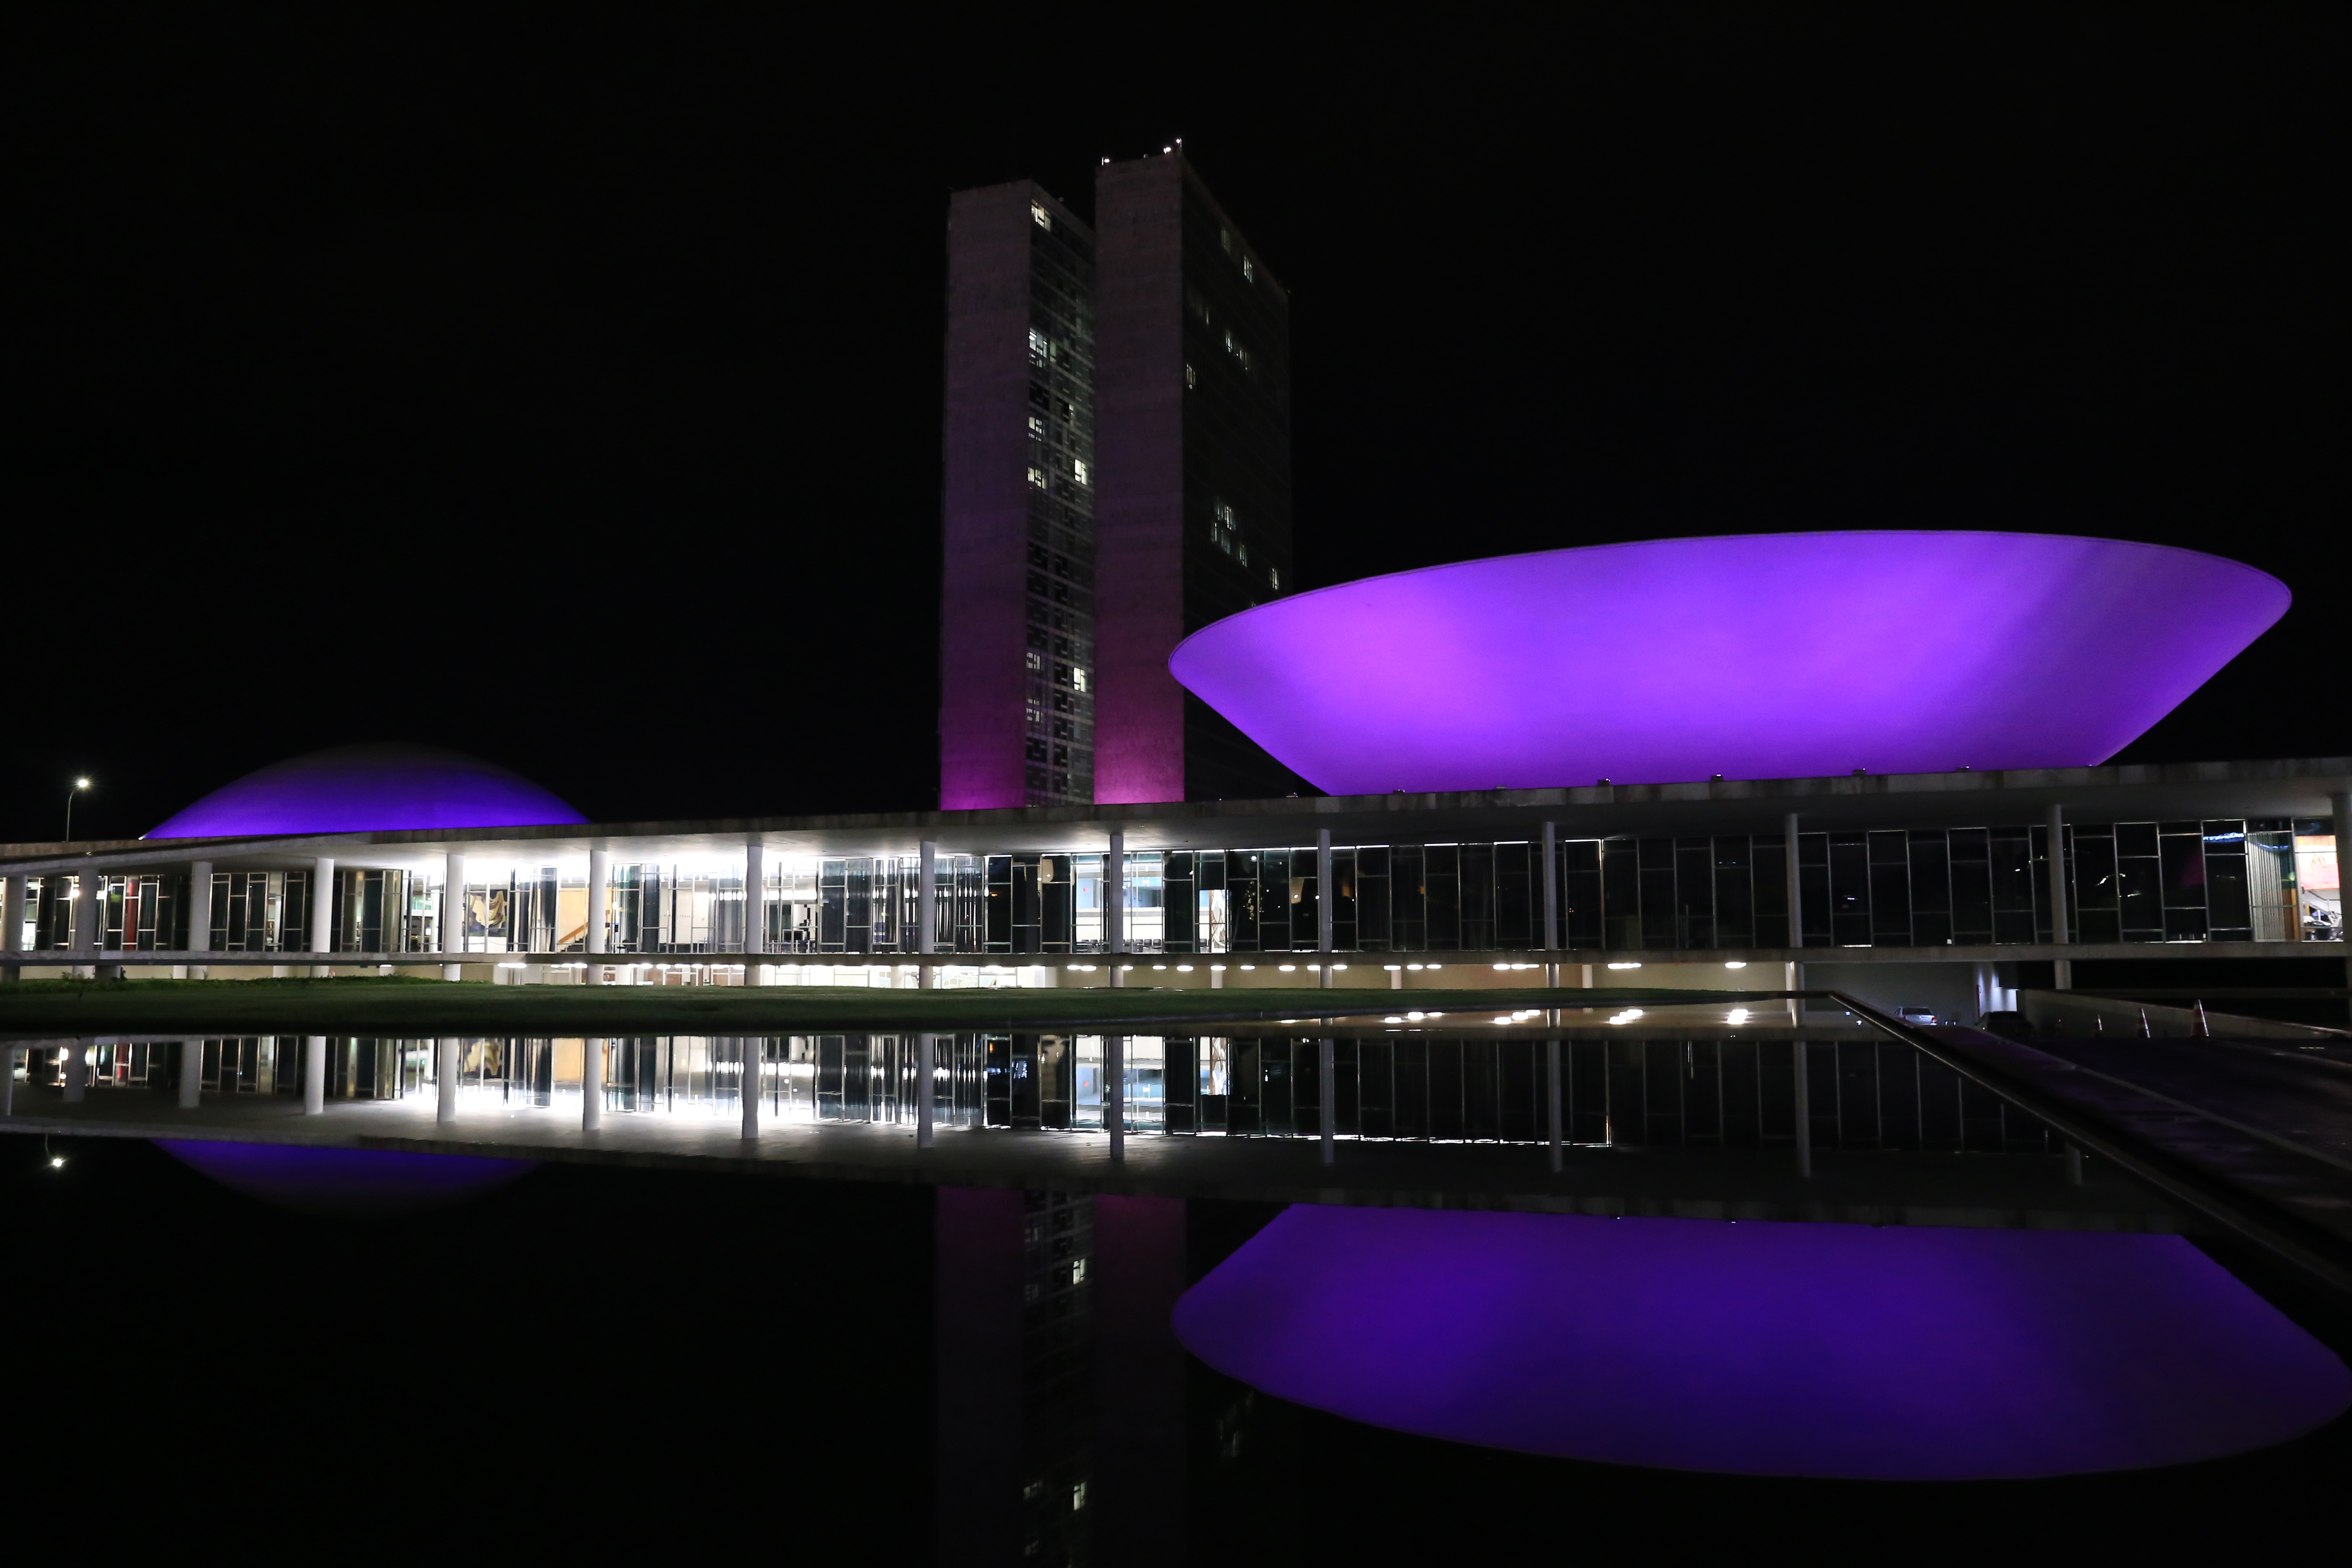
(569, 392)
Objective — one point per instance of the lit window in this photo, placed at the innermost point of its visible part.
(1041, 347)
(1036, 661)
(1225, 238)
(1273, 577)
(1043, 218)
(1249, 271)
(1037, 477)
(1078, 679)
(1037, 427)
(1191, 378)
(1079, 465)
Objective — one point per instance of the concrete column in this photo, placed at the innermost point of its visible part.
(1793, 978)
(600, 899)
(927, 913)
(1327, 1076)
(314, 1075)
(322, 912)
(2059, 902)
(12, 925)
(926, 1072)
(1804, 1114)
(89, 890)
(1115, 1093)
(753, 1054)
(592, 1085)
(1551, 1096)
(77, 1071)
(448, 1074)
(200, 915)
(2339, 805)
(755, 905)
(192, 1073)
(1796, 883)
(1115, 906)
(7, 1078)
(1323, 907)
(1551, 894)
(1396, 976)
(453, 910)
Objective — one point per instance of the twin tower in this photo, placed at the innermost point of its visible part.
(1117, 477)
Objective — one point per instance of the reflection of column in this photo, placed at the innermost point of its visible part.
(1114, 896)
(927, 911)
(592, 1085)
(1326, 1075)
(600, 918)
(77, 1070)
(1139, 1380)
(453, 910)
(751, 1059)
(1804, 1115)
(450, 1071)
(927, 1057)
(322, 912)
(200, 915)
(2065, 967)
(1323, 907)
(1115, 1093)
(192, 1073)
(1551, 1094)
(314, 1075)
(1551, 899)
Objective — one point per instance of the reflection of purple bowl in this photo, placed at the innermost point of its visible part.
(1767, 656)
(345, 1182)
(1904, 1353)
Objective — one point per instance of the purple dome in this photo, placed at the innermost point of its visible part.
(361, 789)
(1761, 656)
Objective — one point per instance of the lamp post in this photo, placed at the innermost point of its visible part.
(79, 785)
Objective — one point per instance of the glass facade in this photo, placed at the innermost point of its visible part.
(1059, 592)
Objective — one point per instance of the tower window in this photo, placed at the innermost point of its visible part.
(1043, 218)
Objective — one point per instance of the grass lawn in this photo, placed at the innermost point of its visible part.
(413, 1006)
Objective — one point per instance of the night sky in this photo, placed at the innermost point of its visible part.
(570, 394)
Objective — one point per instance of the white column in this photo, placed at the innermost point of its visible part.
(1327, 1074)
(751, 1057)
(1796, 883)
(927, 1071)
(1396, 976)
(592, 1085)
(1323, 907)
(322, 911)
(448, 1074)
(1551, 1093)
(192, 1073)
(755, 912)
(2057, 834)
(200, 915)
(77, 1070)
(927, 915)
(453, 911)
(1793, 978)
(1115, 906)
(1113, 1095)
(314, 1075)
(600, 899)
(89, 890)
(12, 925)
(2339, 805)
(1551, 894)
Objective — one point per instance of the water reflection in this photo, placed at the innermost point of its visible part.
(346, 1183)
(1765, 1349)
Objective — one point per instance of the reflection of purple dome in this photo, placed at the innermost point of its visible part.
(361, 789)
(345, 1182)
(1755, 657)
(1907, 1352)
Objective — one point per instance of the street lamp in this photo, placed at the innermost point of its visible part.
(79, 785)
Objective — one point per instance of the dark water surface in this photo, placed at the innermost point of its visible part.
(598, 1362)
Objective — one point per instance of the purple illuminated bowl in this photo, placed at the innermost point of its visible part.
(363, 789)
(1765, 656)
(1907, 1352)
